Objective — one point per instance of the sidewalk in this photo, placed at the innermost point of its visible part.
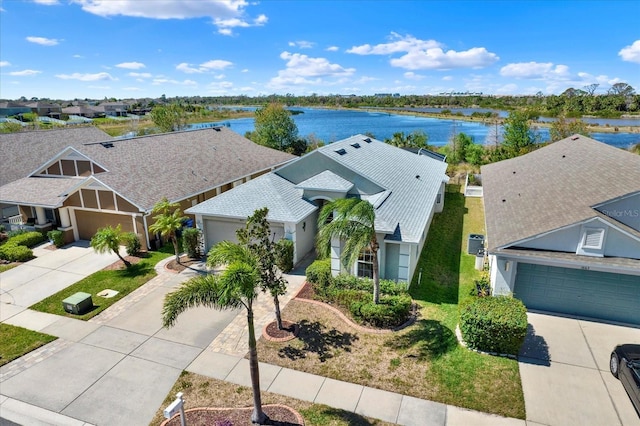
(222, 359)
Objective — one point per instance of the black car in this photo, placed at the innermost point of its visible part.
(625, 365)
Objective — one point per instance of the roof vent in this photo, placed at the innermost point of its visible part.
(217, 129)
(342, 151)
(107, 144)
(575, 138)
(368, 140)
(355, 145)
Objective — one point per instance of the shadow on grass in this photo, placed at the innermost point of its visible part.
(136, 270)
(317, 339)
(336, 414)
(427, 340)
(535, 349)
(436, 279)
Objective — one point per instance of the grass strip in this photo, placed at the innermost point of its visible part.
(17, 341)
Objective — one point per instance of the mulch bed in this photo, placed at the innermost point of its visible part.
(279, 415)
(289, 331)
(306, 292)
(185, 262)
(119, 264)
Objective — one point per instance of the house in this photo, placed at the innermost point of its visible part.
(405, 189)
(45, 109)
(9, 109)
(81, 179)
(563, 229)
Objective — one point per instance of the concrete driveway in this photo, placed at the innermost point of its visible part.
(564, 367)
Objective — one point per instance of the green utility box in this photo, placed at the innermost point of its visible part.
(78, 303)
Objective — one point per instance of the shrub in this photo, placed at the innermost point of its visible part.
(27, 239)
(191, 242)
(2, 228)
(482, 287)
(319, 274)
(388, 287)
(494, 324)
(56, 237)
(390, 312)
(132, 243)
(15, 253)
(284, 255)
(17, 232)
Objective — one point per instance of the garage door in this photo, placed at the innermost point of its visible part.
(614, 297)
(220, 230)
(89, 222)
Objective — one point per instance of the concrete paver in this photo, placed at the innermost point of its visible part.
(343, 395)
(297, 384)
(32, 320)
(240, 374)
(213, 364)
(420, 412)
(70, 329)
(457, 416)
(168, 353)
(379, 404)
(114, 339)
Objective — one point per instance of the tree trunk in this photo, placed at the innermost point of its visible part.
(376, 272)
(126, 262)
(276, 303)
(258, 415)
(174, 240)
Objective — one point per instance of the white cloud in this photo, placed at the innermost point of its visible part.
(131, 65)
(534, 70)
(216, 64)
(47, 2)
(301, 70)
(302, 44)
(159, 81)
(426, 54)
(4, 64)
(245, 70)
(78, 56)
(140, 74)
(101, 76)
(226, 26)
(508, 89)
(25, 73)
(410, 75)
(332, 49)
(631, 53)
(43, 41)
(447, 78)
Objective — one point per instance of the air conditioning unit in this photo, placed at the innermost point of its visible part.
(78, 303)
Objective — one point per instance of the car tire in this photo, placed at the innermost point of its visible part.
(614, 364)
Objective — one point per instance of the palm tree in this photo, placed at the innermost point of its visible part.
(236, 286)
(353, 222)
(107, 240)
(168, 222)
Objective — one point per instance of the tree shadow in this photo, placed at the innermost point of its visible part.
(317, 339)
(427, 340)
(437, 275)
(535, 349)
(347, 417)
(136, 270)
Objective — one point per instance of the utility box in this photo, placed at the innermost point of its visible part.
(476, 242)
(480, 260)
(78, 303)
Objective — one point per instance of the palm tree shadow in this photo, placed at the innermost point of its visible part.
(135, 270)
(317, 339)
(427, 340)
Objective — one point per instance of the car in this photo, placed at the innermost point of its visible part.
(625, 366)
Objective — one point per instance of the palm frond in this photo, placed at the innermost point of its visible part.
(226, 252)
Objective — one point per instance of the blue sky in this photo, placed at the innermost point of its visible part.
(145, 48)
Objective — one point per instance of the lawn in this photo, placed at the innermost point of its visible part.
(124, 281)
(424, 360)
(200, 391)
(17, 341)
(7, 267)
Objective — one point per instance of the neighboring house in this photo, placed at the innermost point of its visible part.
(405, 189)
(45, 109)
(112, 109)
(9, 109)
(563, 229)
(81, 179)
(82, 111)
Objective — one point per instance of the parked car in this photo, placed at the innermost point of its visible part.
(625, 365)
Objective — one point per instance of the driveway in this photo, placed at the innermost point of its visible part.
(564, 367)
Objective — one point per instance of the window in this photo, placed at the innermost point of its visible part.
(365, 264)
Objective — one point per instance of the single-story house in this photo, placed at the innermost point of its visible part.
(405, 189)
(563, 229)
(81, 179)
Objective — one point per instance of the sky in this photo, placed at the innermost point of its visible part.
(68, 49)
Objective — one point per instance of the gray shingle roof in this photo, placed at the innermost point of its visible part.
(326, 181)
(553, 187)
(145, 169)
(410, 183)
(41, 191)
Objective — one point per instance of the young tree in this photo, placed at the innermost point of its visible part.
(275, 128)
(562, 128)
(518, 137)
(107, 240)
(169, 118)
(168, 221)
(353, 222)
(237, 286)
(415, 139)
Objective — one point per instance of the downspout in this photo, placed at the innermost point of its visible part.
(146, 230)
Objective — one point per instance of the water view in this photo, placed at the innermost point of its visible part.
(332, 125)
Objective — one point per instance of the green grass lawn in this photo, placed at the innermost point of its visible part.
(17, 341)
(463, 378)
(7, 267)
(124, 281)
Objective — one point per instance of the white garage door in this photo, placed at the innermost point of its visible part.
(217, 230)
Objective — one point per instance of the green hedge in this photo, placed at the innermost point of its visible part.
(319, 274)
(13, 253)
(284, 255)
(132, 243)
(390, 312)
(27, 239)
(56, 237)
(494, 324)
(191, 242)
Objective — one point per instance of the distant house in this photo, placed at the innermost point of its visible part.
(112, 109)
(563, 229)
(80, 179)
(9, 109)
(45, 109)
(405, 189)
(82, 111)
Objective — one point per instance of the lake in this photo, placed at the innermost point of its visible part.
(332, 125)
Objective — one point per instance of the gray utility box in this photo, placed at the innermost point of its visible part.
(78, 303)
(476, 242)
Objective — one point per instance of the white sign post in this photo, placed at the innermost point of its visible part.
(174, 407)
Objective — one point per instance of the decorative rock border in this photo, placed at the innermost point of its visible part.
(299, 418)
(464, 344)
(346, 319)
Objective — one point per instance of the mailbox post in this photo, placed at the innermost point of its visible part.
(174, 407)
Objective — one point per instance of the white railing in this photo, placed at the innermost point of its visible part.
(472, 190)
(15, 220)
